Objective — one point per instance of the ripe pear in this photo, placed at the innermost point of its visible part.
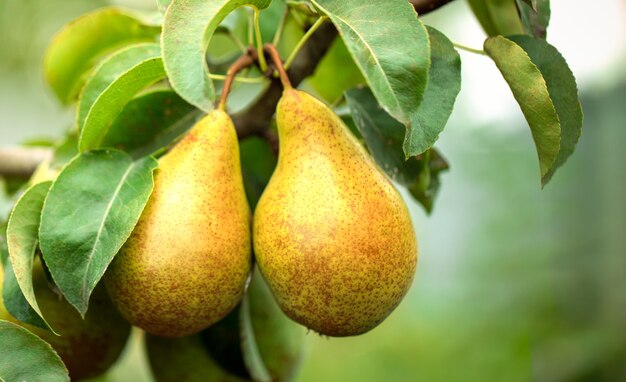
(88, 347)
(216, 353)
(186, 263)
(332, 236)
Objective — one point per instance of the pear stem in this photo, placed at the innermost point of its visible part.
(278, 63)
(242, 62)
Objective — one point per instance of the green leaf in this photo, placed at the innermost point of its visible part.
(85, 41)
(535, 17)
(4, 251)
(531, 92)
(89, 213)
(257, 165)
(331, 83)
(109, 71)
(25, 357)
(65, 151)
(302, 6)
(443, 87)
(497, 17)
(280, 340)
(221, 341)
(390, 45)
(14, 301)
(151, 122)
(563, 93)
(187, 359)
(6, 205)
(384, 136)
(530, 3)
(187, 30)
(113, 84)
(270, 18)
(251, 353)
(23, 239)
(480, 9)
(426, 187)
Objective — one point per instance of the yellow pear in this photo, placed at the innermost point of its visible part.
(88, 347)
(186, 263)
(216, 354)
(332, 236)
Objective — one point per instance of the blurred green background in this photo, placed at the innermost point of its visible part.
(514, 283)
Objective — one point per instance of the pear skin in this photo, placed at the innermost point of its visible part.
(332, 236)
(87, 347)
(185, 265)
(216, 353)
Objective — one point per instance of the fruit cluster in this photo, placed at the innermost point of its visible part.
(331, 236)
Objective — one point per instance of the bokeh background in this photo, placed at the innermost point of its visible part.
(514, 283)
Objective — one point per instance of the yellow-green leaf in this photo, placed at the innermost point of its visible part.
(531, 92)
(187, 30)
(77, 48)
(113, 84)
(23, 239)
(563, 93)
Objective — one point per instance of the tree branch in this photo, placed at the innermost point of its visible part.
(21, 162)
(258, 117)
(424, 6)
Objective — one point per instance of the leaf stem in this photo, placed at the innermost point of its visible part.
(21, 162)
(237, 42)
(242, 62)
(296, 17)
(250, 29)
(278, 63)
(245, 80)
(303, 41)
(259, 41)
(468, 49)
(281, 27)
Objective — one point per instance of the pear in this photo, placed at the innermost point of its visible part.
(186, 263)
(88, 347)
(332, 236)
(216, 353)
